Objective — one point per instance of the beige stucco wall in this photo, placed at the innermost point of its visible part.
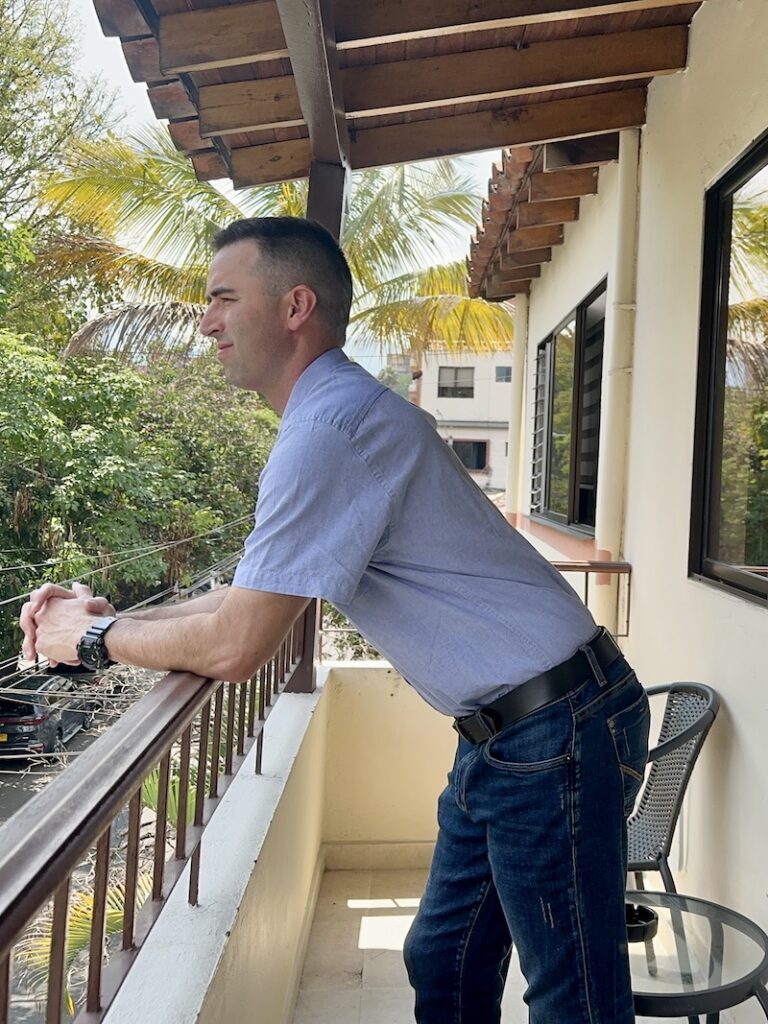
(388, 756)
(699, 122)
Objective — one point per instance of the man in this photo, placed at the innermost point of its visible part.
(362, 503)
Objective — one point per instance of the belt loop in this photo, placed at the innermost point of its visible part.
(594, 664)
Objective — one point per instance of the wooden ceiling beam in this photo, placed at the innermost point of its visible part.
(534, 238)
(589, 152)
(118, 18)
(508, 71)
(310, 36)
(221, 37)
(248, 106)
(472, 75)
(523, 274)
(186, 136)
(276, 161)
(143, 59)
(209, 166)
(561, 211)
(581, 181)
(511, 261)
(466, 133)
(377, 21)
(170, 100)
(501, 292)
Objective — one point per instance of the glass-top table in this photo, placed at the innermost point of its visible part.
(704, 958)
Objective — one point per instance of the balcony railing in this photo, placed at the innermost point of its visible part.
(194, 734)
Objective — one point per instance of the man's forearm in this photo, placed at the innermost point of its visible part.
(206, 603)
(192, 643)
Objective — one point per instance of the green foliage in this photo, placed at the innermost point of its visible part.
(44, 100)
(99, 462)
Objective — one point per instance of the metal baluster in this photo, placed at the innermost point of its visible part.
(58, 952)
(202, 762)
(241, 719)
(230, 741)
(161, 822)
(5, 988)
(181, 811)
(252, 694)
(131, 869)
(98, 917)
(213, 788)
(263, 690)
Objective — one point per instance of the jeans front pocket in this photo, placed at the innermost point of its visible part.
(541, 740)
(629, 730)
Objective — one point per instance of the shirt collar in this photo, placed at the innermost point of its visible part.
(317, 370)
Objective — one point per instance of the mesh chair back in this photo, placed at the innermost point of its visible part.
(688, 715)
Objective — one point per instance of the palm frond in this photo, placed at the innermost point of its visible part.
(139, 332)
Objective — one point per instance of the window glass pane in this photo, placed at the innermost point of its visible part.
(503, 374)
(472, 454)
(455, 381)
(589, 411)
(562, 413)
(740, 515)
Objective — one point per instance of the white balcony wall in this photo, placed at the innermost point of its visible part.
(351, 776)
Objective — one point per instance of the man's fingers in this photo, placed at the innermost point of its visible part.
(46, 592)
(81, 590)
(99, 606)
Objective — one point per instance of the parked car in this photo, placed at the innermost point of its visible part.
(48, 714)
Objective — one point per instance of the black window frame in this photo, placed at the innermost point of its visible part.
(710, 390)
(449, 390)
(543, 401)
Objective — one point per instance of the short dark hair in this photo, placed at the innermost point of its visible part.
(299, 251)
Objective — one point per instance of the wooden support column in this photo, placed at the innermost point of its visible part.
(310, 37)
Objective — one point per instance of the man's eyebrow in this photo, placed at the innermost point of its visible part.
(220, 290)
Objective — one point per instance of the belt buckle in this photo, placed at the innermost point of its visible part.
(476, 728)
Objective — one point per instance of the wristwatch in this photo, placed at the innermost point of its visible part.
(92, 648)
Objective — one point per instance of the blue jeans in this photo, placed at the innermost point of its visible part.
(532, 849)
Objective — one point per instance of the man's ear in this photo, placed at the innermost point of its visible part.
(301, 303)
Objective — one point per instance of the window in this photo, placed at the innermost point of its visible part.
(503, 374)
(566, 426)
(456, 382)
(729, 522)
(472, 454)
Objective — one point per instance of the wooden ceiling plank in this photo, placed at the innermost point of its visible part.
(534, 238)
(247, 106)
(561, 211)
(221, 37)
(507, 71)
(378, 21)
(581, 181)
(466, 133)
(277, 161)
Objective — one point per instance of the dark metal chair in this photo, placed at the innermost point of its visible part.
(690, 710)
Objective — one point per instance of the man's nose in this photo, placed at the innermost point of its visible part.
(210, 324)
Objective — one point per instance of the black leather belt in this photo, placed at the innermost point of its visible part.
(536, 692)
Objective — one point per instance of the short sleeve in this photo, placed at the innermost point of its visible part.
(321, 513)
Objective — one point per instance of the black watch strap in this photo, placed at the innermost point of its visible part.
(92, 648)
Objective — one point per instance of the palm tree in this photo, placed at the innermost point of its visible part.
(748, 292)
(144, 226)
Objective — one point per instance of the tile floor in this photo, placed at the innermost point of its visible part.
(353, 972)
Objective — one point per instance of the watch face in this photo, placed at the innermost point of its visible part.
(92, 649)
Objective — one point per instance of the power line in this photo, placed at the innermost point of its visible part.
(133, 558)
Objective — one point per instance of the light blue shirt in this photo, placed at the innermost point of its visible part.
(362, 503)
